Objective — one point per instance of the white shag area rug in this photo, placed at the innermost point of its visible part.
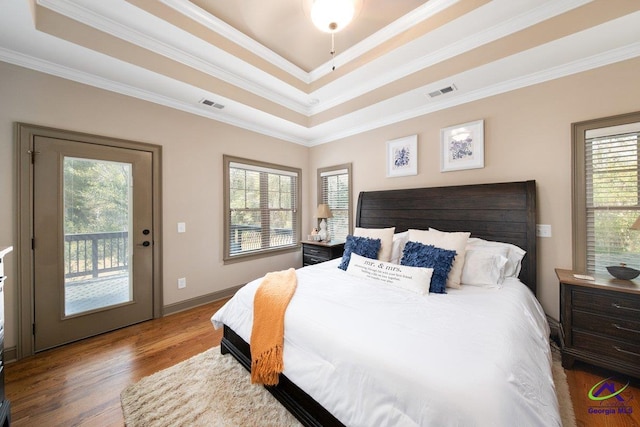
(567, 414)
(210, 389)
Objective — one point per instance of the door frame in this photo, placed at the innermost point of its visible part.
(25, 135)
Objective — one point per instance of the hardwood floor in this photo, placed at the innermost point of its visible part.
(611, 412)
(80, 384)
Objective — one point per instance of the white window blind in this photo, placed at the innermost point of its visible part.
(262, 208)
(612, 200)
(335, 192)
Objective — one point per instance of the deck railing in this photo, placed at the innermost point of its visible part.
(90, 254)
(249, 238)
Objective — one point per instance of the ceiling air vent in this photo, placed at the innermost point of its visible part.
(442, 91)
(211, 104)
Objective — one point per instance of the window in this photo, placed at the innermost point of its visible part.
(261, 208)
(334, 189)
(606, 193)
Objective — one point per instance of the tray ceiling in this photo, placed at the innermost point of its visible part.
(263, 66)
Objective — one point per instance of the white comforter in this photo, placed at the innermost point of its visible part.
(375, 355)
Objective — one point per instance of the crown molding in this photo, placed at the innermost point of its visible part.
(397, 27)
(612, 56)
(286, 95)
(406, 68)
(245, 117)
(197, 14)
(596, 61)
(261, 84)
(67, 73)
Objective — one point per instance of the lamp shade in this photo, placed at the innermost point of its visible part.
(332, 16)
(324, 211)
(636, 225)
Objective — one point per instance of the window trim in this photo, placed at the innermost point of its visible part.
(579, 185)
(348, 167)
(226, 257)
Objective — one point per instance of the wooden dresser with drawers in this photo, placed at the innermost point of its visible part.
(600, 322)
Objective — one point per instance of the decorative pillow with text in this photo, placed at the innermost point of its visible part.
(414, 279)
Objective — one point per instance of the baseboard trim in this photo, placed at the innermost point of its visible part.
(198, 301)
(10, 354)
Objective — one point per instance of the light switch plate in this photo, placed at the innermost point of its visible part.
(182, 227)
(543, 230)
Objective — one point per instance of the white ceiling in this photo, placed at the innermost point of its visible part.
(271, 69)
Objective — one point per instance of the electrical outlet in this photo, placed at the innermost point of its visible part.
(543, 230)
(182, 283)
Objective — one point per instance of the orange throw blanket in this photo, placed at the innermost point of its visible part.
(267, 335)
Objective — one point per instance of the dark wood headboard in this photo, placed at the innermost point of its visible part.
(504, 212)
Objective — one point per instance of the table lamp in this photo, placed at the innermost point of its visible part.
(323, 213)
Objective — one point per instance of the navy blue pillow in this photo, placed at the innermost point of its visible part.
(419, 255)
(363, 246)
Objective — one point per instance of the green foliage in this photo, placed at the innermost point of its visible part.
(96, 196)
(261, 201)
(336, 195)
(613, 199)
(337, 191)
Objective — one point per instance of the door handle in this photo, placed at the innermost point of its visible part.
(146, 243)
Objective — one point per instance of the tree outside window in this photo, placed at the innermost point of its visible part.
(334, 189)
(261, 208)
(606, 192)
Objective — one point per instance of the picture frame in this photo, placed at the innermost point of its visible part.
(402, 156)
(462, 146)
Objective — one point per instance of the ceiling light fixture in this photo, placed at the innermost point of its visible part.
(331, 16)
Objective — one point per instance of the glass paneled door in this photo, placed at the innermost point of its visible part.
(93, 258)
(97, 219)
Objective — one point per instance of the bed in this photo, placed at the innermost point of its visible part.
(358, 353)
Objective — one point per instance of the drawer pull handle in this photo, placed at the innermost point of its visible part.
(621, 307)
(626, 351)
(622, 328)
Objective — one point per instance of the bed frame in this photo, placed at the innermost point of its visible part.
(504, 212)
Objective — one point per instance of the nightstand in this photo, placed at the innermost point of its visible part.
(600, 322)
(315, 252)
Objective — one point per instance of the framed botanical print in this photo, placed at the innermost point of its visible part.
(402, 156)
(462, 146)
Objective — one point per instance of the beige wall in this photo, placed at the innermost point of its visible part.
(191, 174)
(527, 136)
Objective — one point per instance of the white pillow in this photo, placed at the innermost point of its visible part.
(484, 268)
(414, 279)
(386, 239)
(514, 254)
(399, 240)
(456, 241)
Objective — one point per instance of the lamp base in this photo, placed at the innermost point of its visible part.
(323, 230)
